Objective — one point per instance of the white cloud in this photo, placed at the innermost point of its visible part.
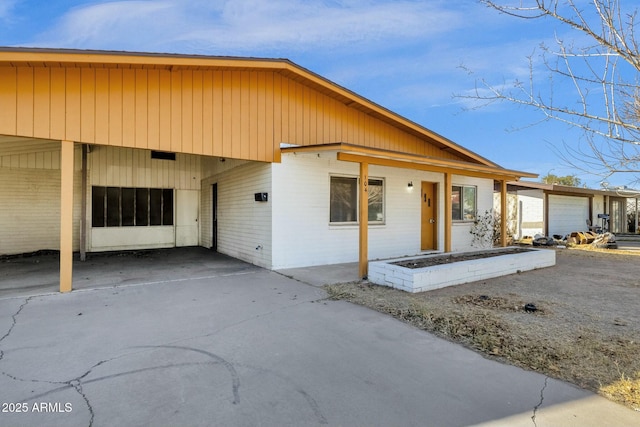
(110, 25)
(248, 25)
(304, 25)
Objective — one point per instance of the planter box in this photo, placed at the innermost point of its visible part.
(387, 273)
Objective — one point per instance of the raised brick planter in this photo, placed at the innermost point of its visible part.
(455, 273)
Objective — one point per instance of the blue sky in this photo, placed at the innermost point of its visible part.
(408, 56)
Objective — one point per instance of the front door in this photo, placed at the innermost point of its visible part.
(429, 223)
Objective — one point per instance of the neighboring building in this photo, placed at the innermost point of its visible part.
(259, 159)
(550, 209)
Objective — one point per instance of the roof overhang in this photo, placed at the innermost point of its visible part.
(355, 153)
(46, 57)
(568, 190)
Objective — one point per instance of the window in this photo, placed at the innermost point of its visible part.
(463, 203)
(128, 207)
(163, 155)
(343, 207)
(142, 206)
(376, 200)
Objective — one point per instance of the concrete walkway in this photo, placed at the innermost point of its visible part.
(200, 343)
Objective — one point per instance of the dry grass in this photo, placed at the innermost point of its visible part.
(625, 390)
(553, 340)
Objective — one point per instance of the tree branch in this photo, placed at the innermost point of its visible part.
(604, 80)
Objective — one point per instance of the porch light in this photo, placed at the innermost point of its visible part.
(410, 184)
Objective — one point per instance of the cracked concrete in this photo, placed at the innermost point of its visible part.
(535, 408)
(77, 386)
(255, 348)
(13, 324)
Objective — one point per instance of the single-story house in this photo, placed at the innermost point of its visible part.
(259, 159)
(551, 209)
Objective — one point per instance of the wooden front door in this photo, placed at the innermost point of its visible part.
(429, 223)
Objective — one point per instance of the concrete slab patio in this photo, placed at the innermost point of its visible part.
(188, 343)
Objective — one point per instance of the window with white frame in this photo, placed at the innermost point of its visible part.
(463, 203)
(343, 207)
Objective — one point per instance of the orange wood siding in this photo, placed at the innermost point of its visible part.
(25, 103)
(243, 114)
(87, 104)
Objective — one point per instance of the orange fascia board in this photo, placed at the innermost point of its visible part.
(118, 58)
(355, 153)
(88, 57)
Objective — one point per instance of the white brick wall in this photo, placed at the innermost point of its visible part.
(30, 210)
(598, 208)
(212, 167)
(243, 223)
(439, 276)
(302, 234)
(531, 212)
(461, 236)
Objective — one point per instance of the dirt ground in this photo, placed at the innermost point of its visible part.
(585, 328)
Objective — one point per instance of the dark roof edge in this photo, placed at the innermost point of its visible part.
(555, 188)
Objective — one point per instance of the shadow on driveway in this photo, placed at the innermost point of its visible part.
(36, 273)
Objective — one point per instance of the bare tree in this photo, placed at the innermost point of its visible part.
(601, 65)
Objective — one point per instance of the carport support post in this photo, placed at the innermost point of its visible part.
(66, 215)
(503, 213)
(364, 221)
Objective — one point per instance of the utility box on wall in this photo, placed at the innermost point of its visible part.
(261, 197)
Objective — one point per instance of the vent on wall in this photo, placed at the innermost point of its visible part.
(162, 155)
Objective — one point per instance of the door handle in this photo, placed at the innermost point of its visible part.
(432, 221)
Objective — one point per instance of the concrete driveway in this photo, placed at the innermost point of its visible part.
(188, 343)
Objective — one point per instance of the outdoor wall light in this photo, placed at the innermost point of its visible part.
(410, 184)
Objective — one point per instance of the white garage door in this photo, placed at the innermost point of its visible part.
(567, 214)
